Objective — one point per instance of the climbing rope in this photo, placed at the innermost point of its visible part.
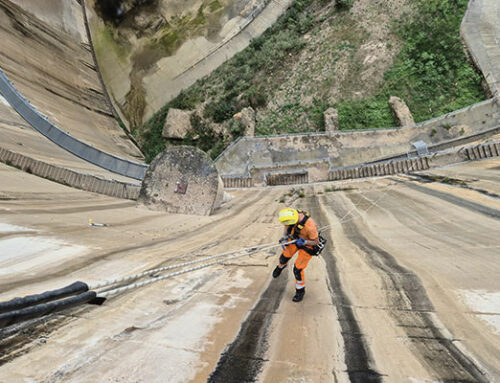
(249, 250)
(170, 275)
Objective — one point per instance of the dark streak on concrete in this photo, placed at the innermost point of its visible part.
(357, 354)
(405, 290)
(243, 359)
(429, 178)
(472, 206)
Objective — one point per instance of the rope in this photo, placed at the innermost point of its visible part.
(249, 250)
(152, 280)
(160, 269)
(372, 204)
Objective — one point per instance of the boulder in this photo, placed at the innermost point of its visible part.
(246, 117)
(401, 111)
(183, 180)
(177, 124)
(331, 117)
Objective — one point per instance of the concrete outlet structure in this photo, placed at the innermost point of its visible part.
(182, 179)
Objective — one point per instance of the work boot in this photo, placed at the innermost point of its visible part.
(277, 271)
(299, 294)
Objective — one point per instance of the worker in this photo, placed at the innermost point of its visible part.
(300, 228)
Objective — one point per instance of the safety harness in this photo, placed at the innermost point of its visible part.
(314, 250)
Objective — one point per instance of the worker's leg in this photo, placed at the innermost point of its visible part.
(298, 270)
(285, 256)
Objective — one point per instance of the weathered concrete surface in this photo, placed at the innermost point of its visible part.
(349, 148)
(46, 159)
(409, 165)
(66, 141)
(50, 63)
(195, 58)
(406, 290)
(246, 117)
(182, 179)
(331, 116)
(481, 31)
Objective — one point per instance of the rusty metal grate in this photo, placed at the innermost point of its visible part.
(286, 178)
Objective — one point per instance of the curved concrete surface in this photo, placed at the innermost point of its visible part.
(24, 147)
(87, 152)
(481, 32)
(182, 179)
(406, 291)
(196, 58)
(51, 65)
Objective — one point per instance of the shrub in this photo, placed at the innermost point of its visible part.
(236, 128)
(343, 5)
(218, 111)
(202, 136)
(431, 72)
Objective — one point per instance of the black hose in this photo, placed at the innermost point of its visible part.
(13, 317)
(47, 296)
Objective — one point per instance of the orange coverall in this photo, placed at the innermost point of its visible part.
(309, 232)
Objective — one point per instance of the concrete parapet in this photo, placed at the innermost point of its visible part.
(344, 148)
(182, 179)
(481, 151)
(69, 177)
(443, 158)
(317, 170)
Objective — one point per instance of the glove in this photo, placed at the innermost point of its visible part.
(283, 240)
(300, 242)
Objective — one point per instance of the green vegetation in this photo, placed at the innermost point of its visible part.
(238, 83)
(344, 5)
(105, 42)
(431, 73)
(285, 118)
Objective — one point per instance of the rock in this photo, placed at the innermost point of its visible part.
(219, 129)
(144, 22)
(401, 111)
(247, 118)
(177, 124)
(331, 117)
(182, 180)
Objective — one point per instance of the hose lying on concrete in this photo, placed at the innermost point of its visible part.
(16, 316)
(34, 306)
(47, 296)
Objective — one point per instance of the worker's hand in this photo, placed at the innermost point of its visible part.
(300, 242)
(284, 240)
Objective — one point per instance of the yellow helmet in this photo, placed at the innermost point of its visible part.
(288, 216)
